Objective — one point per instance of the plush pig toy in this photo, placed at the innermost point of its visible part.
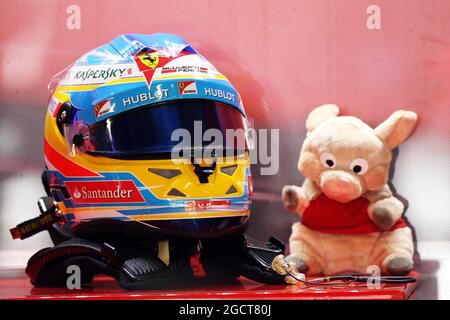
(349, 217)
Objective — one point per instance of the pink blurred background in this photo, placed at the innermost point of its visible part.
(285, 57)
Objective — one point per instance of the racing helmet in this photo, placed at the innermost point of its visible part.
(109, 143)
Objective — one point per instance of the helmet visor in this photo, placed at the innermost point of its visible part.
(155, 129)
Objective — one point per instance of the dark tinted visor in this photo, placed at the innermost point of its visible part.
(148, 130)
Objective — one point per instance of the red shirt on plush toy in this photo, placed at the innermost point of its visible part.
(327, 215)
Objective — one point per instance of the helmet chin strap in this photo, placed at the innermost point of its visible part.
(50, 214)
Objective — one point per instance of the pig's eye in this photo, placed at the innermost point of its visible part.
(359, 166)
(328, 160)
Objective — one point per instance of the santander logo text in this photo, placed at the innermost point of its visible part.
(85, 192)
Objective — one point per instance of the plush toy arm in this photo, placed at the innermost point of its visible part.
(384, 209)
(296, 199)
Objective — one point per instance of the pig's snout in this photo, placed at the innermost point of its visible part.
(340, 185)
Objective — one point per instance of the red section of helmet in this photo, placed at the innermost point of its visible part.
(64, 165)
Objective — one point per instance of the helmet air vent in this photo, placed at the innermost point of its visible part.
(166, 173)
(231, 189)
(175, 192)
(229, 170)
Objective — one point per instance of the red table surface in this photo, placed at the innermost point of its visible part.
(15, 285)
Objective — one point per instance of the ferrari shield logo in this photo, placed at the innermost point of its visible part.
(149, 59)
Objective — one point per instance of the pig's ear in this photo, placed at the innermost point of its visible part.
(320, 115)
(397, 128)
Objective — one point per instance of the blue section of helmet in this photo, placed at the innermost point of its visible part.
(126, 96)
(128, 44)
(122, 48)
